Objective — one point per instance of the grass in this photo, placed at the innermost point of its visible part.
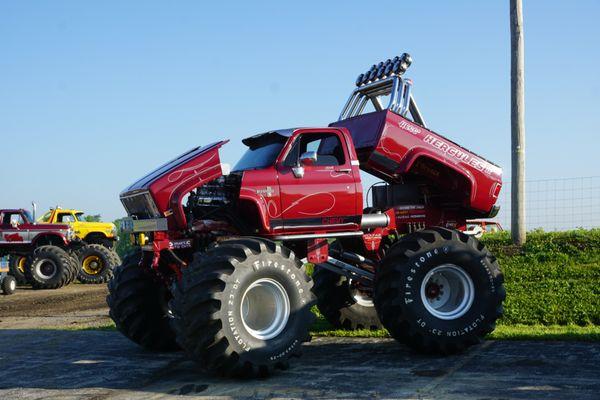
(553, 279)
(590, 333)
(570, 332)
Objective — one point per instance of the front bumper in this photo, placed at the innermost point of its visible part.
(130, 225)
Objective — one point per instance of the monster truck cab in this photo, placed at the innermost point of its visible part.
(20, 234)
(103, 233)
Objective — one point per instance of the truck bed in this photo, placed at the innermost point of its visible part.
(391, 147)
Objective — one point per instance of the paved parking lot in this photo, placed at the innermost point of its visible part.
(61, 364)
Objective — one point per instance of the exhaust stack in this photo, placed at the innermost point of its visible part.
(370, 221)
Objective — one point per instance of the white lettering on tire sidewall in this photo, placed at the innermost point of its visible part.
(411, 294)
(235, 291)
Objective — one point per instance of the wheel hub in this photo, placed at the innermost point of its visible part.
(92, 265)
(447, 292)
(265, 309)
(360, 296)
(46, 269)
(432, 290)
(21, 264)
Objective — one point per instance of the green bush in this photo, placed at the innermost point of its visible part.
(553, 279)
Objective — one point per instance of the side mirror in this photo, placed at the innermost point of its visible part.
(308, 158)
(298, 171)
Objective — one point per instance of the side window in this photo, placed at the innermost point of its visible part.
(331, 148)
(12, 219)
(291, 160)
(327, 146)
(66, 218)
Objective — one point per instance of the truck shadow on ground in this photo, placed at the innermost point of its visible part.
(81, 363)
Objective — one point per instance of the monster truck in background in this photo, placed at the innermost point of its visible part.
(91, 232)
(38, 252)
(46, 255)
(219, 268)
(96, 258)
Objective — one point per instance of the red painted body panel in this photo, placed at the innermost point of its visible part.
(260, 188)
(28, 233)
(169, 183)
(329, 198)
(389, 145)
(325, 198)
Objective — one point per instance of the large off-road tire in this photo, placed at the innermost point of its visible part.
(16, 267)
(9, 284)
(96, 263)
(342, 304)
(50, 267)
(138, 303)
(439, 291)
(243, 307)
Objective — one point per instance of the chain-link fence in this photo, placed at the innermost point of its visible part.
(556, 204)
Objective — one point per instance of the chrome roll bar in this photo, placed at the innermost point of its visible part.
(401, 100)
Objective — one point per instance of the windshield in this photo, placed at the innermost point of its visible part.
(28, 216)
(262, 155)
(45, 217)
(80, 217)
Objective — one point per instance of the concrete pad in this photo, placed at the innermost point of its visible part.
(59, 364)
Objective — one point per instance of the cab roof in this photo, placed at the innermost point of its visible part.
(66, 210)
(11, 210)
(260, 138)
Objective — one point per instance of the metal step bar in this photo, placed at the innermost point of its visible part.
(319, 235)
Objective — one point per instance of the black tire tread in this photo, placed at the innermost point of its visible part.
(68, 269)
(332, 292)
(203, 281)
(14, 270)
(6, 289)
(133, 304)
(388, 298)
(108, 254)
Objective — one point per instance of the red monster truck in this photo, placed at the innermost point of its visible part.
(38, 252)
(220, 267)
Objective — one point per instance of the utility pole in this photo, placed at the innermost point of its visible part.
(517, 111)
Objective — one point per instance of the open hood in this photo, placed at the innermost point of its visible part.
(159, 193)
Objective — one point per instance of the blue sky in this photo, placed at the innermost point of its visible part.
(93, 95)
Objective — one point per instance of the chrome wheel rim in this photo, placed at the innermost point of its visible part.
(265, 309)
(447, 292)
(359, 297)
(46, 268)
(12, 285)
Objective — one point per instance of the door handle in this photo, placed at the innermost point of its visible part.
(344, 170)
